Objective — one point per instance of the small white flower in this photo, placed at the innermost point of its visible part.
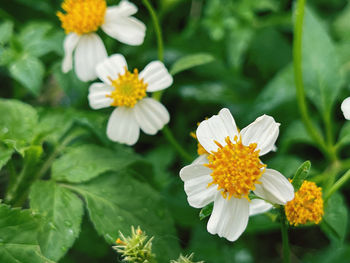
(127, 92)
(82, 19)
(345, 107)
(233, 169)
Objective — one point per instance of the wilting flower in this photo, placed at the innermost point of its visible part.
(135, 248)
(126, 91)
(82, 18)
(345, 107)
(307, 205)
(233, 170)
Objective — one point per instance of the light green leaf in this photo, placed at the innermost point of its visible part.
(6, 31)
(18, 237)
(5, 155)
(190, 61)
(206, 211)
(335, 219)
(85, 162)
(321, 69)
(18, 124)
(29, 71)
(62, 211)
(116, 201)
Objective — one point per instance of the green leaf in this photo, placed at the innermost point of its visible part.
(190, 61)
(5, 155)
(335, 219)
(206, 211)
(295, 133)
(18, 237)
(6, 31)
(344, 135)
(18, 124)
(301, 174)
(85, 162)
(321, 69)
(62, 211)
(116, 201)
(29, 71)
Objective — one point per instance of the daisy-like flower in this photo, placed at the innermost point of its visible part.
(345, 107)
(82, 18)
(126, 91)
(233, 170)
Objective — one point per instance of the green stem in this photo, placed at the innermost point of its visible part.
(285, 241)
(299, 84)
(168, 134)
(341, 181)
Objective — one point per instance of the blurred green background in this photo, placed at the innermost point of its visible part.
(249, 44)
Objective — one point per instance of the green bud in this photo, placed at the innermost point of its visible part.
(185, 259)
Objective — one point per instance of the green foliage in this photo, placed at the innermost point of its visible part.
(62, 211)
(116, 200)
(5, 155)
(206, 211)
(85, 162)
(190, 61)
(18, 232)
(6, 31)
(300, 175)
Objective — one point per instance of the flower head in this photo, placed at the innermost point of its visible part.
(185, 259)
(345, 107)
(81, 20)
(135, 248)
(307, 205)
(126, 91)
(232, 170)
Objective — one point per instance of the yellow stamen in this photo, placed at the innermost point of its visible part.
(129, 89)
(120, 242)
(82, 16)
(236, 168)
(307, 205)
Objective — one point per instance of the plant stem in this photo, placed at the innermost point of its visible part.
(285, 241)
(168, 134)
(341, 181)
(299, 84)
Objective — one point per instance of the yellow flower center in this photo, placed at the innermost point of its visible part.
(82, 16)
(307, 205)
(129, 89)
(236, 168)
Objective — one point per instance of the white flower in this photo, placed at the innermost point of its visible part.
(233, 169)
(127, 92)
(82, 19)
(345, 107)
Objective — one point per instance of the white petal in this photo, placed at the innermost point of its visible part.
(90, 51)
(69, 44)
(345, 107)
(122, 126)
(196, 178)
(123, 27)
(156, 76)
(274, 188)
(111, 67)
(151, 115)
(201, 159)
(124, 8)
(258, 206)
(98, 95)
(229, 217)
(263, 131)
(216, 128)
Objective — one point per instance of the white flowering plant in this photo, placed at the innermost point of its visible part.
(192, 123)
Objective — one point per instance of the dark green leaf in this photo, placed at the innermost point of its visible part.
(29, 71)
(321, 69)
(206, 211)
(18, 237)
(6, 31)
(5, 155)
(190, 61)
(335, 219)
(62, 211)
(17, 121)
(85, 162)
(116, 201)
(301, 174)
